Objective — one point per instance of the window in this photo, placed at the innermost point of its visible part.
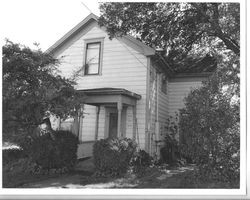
(92, 58)
(164, 84)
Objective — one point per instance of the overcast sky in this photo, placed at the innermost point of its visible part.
(41, 21)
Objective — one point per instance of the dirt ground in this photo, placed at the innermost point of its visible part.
(82, 177)
(152, 179)
(177, 177)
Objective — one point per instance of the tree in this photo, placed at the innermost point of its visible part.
(185, 31)
(181, 29)
(32, 88)
(209, 122)
(210, 131)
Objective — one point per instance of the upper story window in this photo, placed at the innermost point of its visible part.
(92, 58)
(93, 53)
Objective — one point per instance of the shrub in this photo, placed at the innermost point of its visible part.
(112, 156)
(10, 155)
(16, 172)
(56, 153)
(170, 151)
(140, 161)
(223, 164)
(210, 131)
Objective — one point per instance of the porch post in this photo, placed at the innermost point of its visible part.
(97, 122)
(119, 127)
(134, 122)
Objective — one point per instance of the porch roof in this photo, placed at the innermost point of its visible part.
(110, 95)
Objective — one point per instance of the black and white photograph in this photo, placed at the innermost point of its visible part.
(123, 98)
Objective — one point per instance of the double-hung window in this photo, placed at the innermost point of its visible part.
(92, 58)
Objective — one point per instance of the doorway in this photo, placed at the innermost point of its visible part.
(113, 121)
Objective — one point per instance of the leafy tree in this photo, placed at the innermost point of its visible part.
(32, 88)
(186, 31)
(181, 29)
(209, 123)
(210, 131)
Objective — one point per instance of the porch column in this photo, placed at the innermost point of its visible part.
(134, 122)
(97, 122)
(119, 127)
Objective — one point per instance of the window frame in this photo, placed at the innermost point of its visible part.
(164, 85)
(88, 42)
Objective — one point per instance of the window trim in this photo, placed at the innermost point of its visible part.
(164, 88)
(93, 41)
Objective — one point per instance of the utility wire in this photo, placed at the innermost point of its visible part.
(86, 7)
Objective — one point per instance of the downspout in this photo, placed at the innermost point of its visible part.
(147, 132)
(157, 115)
(157, 97)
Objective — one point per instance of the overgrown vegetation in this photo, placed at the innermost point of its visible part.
(140, 162)
(54, 153)
(209, 123)
(41, 157)
(210, 131)
(112, 156)
(182, 30)
(170, 151)
(32, 88)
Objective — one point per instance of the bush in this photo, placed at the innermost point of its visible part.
(140, 161)
(10, 155)
(224, 163)
(56, 153)
(16, 172)
(113, 156)
(210, 131)
(170, 151)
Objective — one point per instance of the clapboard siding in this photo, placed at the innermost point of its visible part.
(122, 67)
(178, 90)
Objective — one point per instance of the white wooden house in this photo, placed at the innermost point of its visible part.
(130, 90)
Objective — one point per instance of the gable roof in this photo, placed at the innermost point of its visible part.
(205, 65)
(129, 40)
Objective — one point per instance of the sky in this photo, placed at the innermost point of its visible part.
(41, 21)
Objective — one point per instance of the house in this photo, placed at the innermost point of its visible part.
(130, 89)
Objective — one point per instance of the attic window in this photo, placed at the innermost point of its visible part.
(92, 58)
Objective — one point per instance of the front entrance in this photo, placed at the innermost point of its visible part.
(113, 120)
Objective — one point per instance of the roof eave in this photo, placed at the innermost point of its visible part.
(134, 43)
(199, 74)
(70, 33)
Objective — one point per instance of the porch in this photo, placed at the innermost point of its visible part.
(109, 112)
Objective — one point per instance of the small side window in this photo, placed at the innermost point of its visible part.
(164, 82)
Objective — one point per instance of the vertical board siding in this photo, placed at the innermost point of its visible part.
(122, 67)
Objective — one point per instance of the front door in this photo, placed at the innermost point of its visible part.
(113, 120)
